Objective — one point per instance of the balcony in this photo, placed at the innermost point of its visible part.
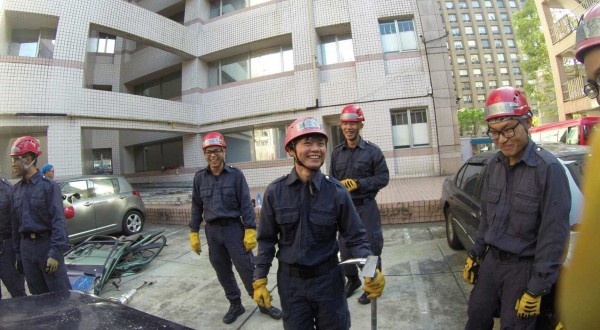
(573, 89)
(568, 23)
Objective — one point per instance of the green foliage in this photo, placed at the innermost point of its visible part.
(470, 120)
(534, 59)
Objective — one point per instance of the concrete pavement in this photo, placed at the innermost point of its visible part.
(424, 286)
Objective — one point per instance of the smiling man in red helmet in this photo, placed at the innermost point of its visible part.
(524, 224)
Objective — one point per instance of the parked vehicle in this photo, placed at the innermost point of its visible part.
(572, 131)
(461, 192)
(102, 205)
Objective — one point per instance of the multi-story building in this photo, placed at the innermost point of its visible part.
(559, 19)
(483, 49)
(132, 86)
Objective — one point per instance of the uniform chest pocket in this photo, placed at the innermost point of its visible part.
(38, 200)
(362, 167)
(524, 213)
(4, 202)
(229, 197)
(492, 198)
(288, 225)
(323, 225)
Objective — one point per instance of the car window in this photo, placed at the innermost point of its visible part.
(80, 187)
(575, 165)
(104, 187)
(470, 179)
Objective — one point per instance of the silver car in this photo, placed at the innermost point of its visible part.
(103, 204)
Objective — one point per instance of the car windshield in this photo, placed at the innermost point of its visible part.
(575, 165)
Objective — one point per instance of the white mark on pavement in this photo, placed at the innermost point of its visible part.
(419, 288)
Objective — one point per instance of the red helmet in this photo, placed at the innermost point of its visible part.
(588, 32)
(25, 144)
(352, 112)
(213, 139)
(506, 102)
(303, 126)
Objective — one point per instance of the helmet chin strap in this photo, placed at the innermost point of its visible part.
(26, 166)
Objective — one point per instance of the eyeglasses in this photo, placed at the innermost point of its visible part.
(507, 132)
(216, 152)
(591, 88)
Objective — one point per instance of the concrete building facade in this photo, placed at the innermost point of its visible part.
(559, 19)
(131, 87)
(483, 48)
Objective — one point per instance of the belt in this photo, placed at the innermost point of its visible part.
(361, 202)
(506, 256)
(309, 271)
(224, 221)
(34, 236)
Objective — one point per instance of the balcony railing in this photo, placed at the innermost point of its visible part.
(573, 89)
(568, 23)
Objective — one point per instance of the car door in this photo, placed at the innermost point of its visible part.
(108, 204)
(468, 219)
(474, 191)
(78, 194)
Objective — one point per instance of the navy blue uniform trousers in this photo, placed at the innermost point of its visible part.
(14, 282)
(34, 254)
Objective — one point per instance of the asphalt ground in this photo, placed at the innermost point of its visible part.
(424, 286)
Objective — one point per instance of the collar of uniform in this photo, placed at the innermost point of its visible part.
(225, 168)
(528, 156)
(361, 143)
(316, 179)
(35, 177)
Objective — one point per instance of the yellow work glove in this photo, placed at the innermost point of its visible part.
(195, 242)
(374, 286)
(350, 184)
(528, 305)
(471, 270)
(51, 265)
(249, 239)
(261, 295)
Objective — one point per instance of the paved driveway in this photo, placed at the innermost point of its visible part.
(424, 286)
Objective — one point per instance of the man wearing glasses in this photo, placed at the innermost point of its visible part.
(221, 197)
(524, 226)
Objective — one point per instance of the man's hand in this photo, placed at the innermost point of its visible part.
(51, 265)
(261, 295)
(471, 270)
(374, 285)
(350, 184)
(528, 305)
(195, 242)
(249, 239)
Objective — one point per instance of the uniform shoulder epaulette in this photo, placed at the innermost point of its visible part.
(4, 182)
(47, 178)
(334, 181)
(281, 178)
(201, 170)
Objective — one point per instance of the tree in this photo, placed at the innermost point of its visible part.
(470, 120)
(535, 62)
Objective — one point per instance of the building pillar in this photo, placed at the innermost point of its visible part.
(64, 149)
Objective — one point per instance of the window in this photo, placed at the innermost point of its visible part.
(518, 83)
(165, 87)
(505, 83)
(490, 72)
(336, 49)
(504, 17)
(501, 58)
(466, 17)
(507, 29)
(475, 59)
(517, 71)
(485, 44)
(512, 4)
(257, 144)
(106, 43)
(222, 7)
(482, 31)
(481, 97)
(398, 36)
(514, 58)
(251, 65)
(492, 84)
(410, 128)
(449, 4)
(33, 43)
(487, 58)
(500, 3)
(477, 72)
(463, 5)
(455, 31)
(498, 43)
(475, 4)
(472, 44)
(463, 73)
(466, 85)
(488, 4)
(460, 59)
(105, 187)
(504, 71)
(469, 30)
(495, 29)
(510, 43)
(491, 17)
(102, 161)
(452, 18)
(458, 45)
(479, 85)
(469, 177)
(77, 187)
(479, 17)
(467, 98)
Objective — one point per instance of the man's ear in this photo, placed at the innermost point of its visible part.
(528, 122)
(362, 124)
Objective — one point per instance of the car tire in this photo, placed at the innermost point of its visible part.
(451, 236)
(133, 223)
